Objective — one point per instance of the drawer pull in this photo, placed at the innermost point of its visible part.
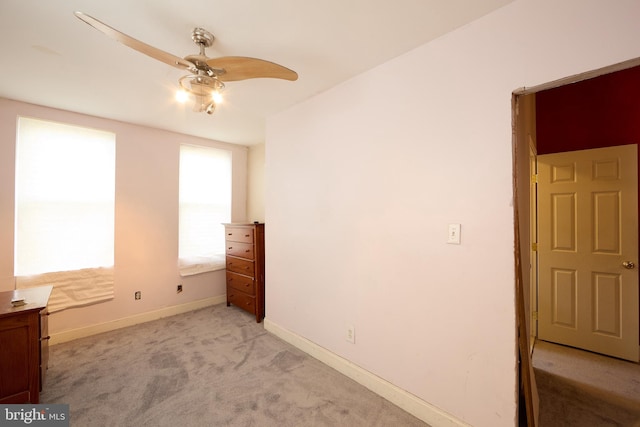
(230, 247)
(229, 234)
(247, 235)
(247, 250)
(248, 303)
(45, 338)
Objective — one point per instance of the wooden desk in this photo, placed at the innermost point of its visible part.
(24, 349)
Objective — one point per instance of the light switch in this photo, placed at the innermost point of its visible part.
(454, 234)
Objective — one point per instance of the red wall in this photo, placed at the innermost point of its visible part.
(594, 113)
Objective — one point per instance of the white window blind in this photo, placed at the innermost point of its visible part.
(65, 191)
(205, 203)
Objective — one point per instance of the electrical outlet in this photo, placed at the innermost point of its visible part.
(138, 295)
(179, 289)
(351, 334)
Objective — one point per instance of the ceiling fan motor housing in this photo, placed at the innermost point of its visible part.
(202, 37)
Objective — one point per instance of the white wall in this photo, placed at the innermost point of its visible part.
(363, 179)
(146, 228)
(255, 191)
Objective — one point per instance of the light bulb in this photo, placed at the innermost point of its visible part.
(182, 96)
(217, 97)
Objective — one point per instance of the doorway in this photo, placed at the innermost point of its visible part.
(526, 147)
(549, 117)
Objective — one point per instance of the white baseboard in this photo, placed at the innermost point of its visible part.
(134, 320)
(405, 400)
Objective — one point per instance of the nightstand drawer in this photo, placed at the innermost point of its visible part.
(243, 250)
(245, 284)
(239, 234)
(242, 266)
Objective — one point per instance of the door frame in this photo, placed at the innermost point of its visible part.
(533, 233)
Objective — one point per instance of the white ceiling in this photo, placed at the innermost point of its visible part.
(51, 58)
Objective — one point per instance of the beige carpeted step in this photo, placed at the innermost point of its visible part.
(579, 388)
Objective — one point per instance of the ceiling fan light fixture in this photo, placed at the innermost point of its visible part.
(182, 96)
(202, 86)
(217, 97)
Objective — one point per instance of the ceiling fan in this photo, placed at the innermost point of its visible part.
(206, 77)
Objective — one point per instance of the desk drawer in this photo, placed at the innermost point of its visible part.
(44, 345)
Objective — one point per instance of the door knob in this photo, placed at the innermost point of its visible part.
(629, 265)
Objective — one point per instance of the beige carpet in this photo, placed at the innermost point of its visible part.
(211, 367)
(583, 389)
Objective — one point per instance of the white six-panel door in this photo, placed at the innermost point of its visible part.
(588, 250)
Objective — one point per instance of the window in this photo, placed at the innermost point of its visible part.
(64, 211)
(65, 189)
(205, 203)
